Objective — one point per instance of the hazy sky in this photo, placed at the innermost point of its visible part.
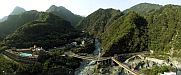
(80, 7)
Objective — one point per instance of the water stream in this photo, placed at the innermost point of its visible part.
(87, 67)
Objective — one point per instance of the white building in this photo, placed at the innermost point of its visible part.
(82, 43)
(169, 73)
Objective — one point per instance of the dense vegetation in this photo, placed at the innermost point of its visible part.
(3, 19)
(65, 14)
(18, 10)
(164, 28)
(97, 22)
(15, 21)
(159, 30)
(127, 34)
(10, 67)
(6, 65)
(44, 30)
(19, 17)
(54, 64)
(143, 8)
(48, 31)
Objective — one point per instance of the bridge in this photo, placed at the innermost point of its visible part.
(141, 57)
(91, 57)
(98, 59)
(125, 67)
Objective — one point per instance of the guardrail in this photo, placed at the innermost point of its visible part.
(125, 67)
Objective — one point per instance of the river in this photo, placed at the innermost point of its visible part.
(88, 67)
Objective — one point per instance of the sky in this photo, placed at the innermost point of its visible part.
(80, 7)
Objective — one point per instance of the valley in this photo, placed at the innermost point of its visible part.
(142, 40)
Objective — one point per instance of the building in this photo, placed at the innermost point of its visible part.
(30, 50)
(82, 43)
(169, 73)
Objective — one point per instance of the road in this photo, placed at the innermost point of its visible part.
(96, 58)
(125, 67)
(91, 58)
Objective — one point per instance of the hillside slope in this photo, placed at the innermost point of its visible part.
(126, 34)
(48, 31)
(18, 10)
(15, 21)
(164, 28)
(143, 8)
(98, 21)
(65, 14)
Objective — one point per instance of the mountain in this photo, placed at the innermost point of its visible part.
(127, 34)
(98, 21)
(65, 14)
(19, 17)
(164, 29)
(47, 31)
(143, 8)
(159, 31)
(17, 10)
(119, 32)
(15, 21)
(3, 19)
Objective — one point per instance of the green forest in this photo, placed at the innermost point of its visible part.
(143, 27)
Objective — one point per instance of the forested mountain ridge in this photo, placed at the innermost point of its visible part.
(47, 31)
(119, 32)
(4, 18)
(164, 28)
(143, 8)
(162, 33)
(98, 21)
(144, 27)
(158, 30)
(18, 18)
(126, 34)
(17, 10)
(15, 21)
(65, 14)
